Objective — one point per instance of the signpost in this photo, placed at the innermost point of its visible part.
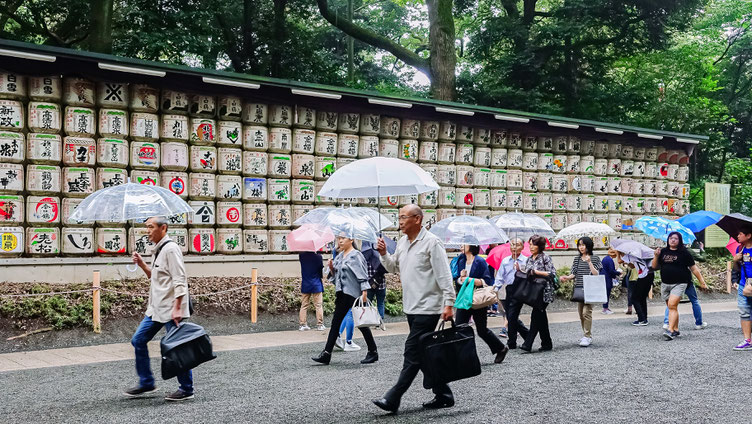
(717, 198)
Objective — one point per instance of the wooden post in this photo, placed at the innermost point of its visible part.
(96, 319)
(729, 267)
(254, 295)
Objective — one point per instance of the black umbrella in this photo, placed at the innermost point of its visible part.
(735, 222)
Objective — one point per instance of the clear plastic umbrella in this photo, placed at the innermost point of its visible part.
(355, 223)
(378, 177)
(586, 229)
(129, 201)
(523, 225)
(468, 229)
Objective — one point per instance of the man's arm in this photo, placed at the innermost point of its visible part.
(176, 269)
(390, 262)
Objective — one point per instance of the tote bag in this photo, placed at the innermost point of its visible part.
(365, 315)
(464, 298)
(448, 355)
(594, 287)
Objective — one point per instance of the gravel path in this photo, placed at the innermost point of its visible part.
(628, 375)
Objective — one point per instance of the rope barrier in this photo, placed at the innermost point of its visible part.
(46, 294)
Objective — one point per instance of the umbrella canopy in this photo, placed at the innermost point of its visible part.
(700, 220)
(659, 228)
(129, 201)
(309, 238)
(498, 253)
(732, 246)
(468, 229)
(355, 223)
(586, 229)
(378, 177)
(523, 225)
(733, 223)
(632, 248)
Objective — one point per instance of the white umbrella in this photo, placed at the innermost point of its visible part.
(523, 225)
(468, 229)
(355, 223)
(586, 229)
(632, 248)
(378, 177)
(129, 201)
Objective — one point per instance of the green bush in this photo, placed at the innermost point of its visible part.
(393, 302)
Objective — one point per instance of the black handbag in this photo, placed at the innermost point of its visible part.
(183, 348)
(448, 355)
(530, 291)
(578, 294)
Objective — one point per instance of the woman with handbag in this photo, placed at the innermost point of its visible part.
(474, 272)
(539, 268)
(585, 264)
(350, 276)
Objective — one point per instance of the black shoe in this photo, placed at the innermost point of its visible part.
(439, 402)
(139, 391)
(501, 355)
(323, 358)
(545, 348)
(386, 405)
(512, 346)
(370, 358)
(178, 396)
(525, 349)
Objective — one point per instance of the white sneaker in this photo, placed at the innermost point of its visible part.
(665, 326)
(339, 344)
(701, 327)
(321, 327)
(586, 341)
(607, 312)
(350, 346)
(304, 327)
(382, 326)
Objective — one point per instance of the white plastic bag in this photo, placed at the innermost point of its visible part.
(365, 315)
(595, 288)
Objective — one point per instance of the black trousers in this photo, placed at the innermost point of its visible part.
(630, 290)
(419, 325)
(515, 326)
(539, 324)
(641, 288)
(342, 303)
(481, 326)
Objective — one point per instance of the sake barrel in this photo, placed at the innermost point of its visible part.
(544, 161)
(672, 156)
(447, 131)
(626, 185)
(138, 241)
(560, 145)
(572, 219)
(390, 201)
(558, 221)
(44, 117)
(12, 148)
(203, 131)
(389, 148)
(514, 179)
(590, 217)
(464, 198)
(498, 199)
(303, 191)
(410, 128)
(173, 101)
(204, 213)
(465, 176)
(574, 183)
(640, 205)
(614, 185)
(255, 138)
(145, 155)
(428, 199)
(278, 241)
(588, 183)
(11, 209)
(110, 177)
(614, 150)
(682, 208)
(499, 138)
(320, 200)
(514, 159)
(639, 153)
(529, 143)
(42, 210)
(684, 191)
(447, 196)
(202, 186)
(174, 128)
(614, 167)
(78, 182)
(411, 199)
(481, 177)
(682, 173)
(344, 161)
(530, 202)
(574, 202)
(202, 105)
(429, 217)
(78, 92)
(174, 156)
(627, 168)
(255, 113)
(482, 157)
(255, 215)
(429, 131)
(650, 187)
(559, 201)
(587, 147)
(638, 187)
(390, 127)
(465, 134)
(629, 204)
(529, 161)
(370, 124)
(326, 144)
(514, 201)
(651, 170)
(230, 134)
(529, 181)
(614, 221)
(280, 216)
(41, 179)
(560, 183)
(279, 190)
(428, 152)
(45, 88)
(600, 185)
(545, 181)
(350, 123)
(303, 141)
(600, 150)
(230, 108)
(230, 160)
(41, 242)
(464, 154)
(79, 151)
(144, 126)
(588, 202)
(202, 241)
(445, 213)
(111, 240)
(176, 182)
(324, 167)
(302, 166)
(661, 188)
(482, 137)
(545, 202)
(144, 98)
(559, 164)
(672, 172)
(203, 159)
(482, 197)
(627, 152)
(229, 213)
(179, 220)
(368, 147)
(408, 149)
(447, 153)
(230, 241)
(229, 187)
(639, 169)
(587, 165)
(348, 145)
(573, 145)
(80, 241)
(573, 164)
(180, 237)
(651, 154)
(80, 121)
(255, 241)
(547, 217)
(600, 167)
(447, 175)
(113, 123)
(652, 205)
(615, 203)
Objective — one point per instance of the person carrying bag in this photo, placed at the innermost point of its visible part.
(538, 277)
(585, 264)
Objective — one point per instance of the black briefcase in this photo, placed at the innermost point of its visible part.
(530, 291)
(448, 355)
(183, 348)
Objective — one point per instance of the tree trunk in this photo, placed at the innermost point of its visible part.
(443, 60)
(277, 44)
(100, 38)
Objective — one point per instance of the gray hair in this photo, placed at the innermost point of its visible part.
(516, 240)
(160, 220)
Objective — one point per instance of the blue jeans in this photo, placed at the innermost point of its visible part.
(380, 296)
(145, 332)
(691, 293)
(348, 324)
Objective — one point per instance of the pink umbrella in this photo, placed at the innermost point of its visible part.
(498, 254)
(309, 238)
(732, 246)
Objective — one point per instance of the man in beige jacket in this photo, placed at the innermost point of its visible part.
(168, 305)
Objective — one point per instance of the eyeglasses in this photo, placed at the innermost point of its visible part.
(404, 217)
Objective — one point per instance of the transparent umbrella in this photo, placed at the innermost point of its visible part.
(468, 229)
(523, 225)
(129, 201)
(586, 229)
(355, 223)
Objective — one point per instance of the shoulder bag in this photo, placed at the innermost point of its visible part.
(578, 292)
(530, 290)
(448, 355)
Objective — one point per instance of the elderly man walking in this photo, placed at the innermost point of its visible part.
(427, 296)
(168, 305)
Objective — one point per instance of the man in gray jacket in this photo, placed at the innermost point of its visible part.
(168, 305)
(427, 296)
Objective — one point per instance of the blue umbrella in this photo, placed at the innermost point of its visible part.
(700, 220)
(659, 228)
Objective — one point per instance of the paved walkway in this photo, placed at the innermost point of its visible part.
(122, 351)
